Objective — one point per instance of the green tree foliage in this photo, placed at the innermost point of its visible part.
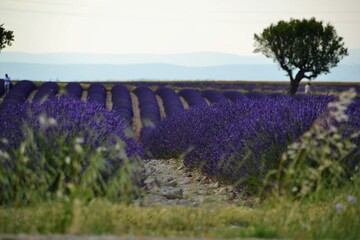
(303, 48)
(6, 37)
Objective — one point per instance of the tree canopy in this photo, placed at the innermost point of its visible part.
(6, 37)
(303, 48)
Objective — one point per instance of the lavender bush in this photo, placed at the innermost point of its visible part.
(255, 95)
(171, 101)
(46, 137)
(176, 135)
(234, 95)
(238, 140)
(18, 94)
(122, 105)
(213, 96)
(97, 94)
(46, 90)
(73, 90)
(192, 97)
(149, 111)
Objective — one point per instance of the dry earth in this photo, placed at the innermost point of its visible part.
(169, 182)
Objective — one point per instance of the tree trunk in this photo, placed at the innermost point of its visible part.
(294, 84)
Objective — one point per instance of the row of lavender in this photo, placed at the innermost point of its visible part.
(317, 87)
(237, 141)
(121, 99)
(122, 103)
(248, 86)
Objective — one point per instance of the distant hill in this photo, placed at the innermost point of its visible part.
(183, 66)
(107, 72)
(196, 59)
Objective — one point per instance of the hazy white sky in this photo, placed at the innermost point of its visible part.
(162, 26)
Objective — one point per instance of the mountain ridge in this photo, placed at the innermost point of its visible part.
(193, 59)
(128, 72)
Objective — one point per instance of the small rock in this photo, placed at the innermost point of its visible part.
(169, 179)
(174, 194)
(198, 178)
(181, 202)
(222, 190)
(204, 180)
(200, 191)
(172, 183)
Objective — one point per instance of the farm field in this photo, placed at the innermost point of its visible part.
(180, 159)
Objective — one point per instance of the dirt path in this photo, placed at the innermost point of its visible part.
(136, 123)
(171, 183)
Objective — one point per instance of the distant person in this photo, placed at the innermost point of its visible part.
(307, 88)
(7, 83)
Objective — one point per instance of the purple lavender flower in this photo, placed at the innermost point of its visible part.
(351, 199)
(340, 207)
(74, 118)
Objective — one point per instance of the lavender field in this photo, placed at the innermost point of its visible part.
(216, 123)
(236, 133)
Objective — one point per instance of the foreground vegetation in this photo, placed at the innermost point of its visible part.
(84, 177)
(333, 215)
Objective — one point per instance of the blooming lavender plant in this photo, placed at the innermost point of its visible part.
(122, 105)
(192, 97)
(73, 90)
(214, 96)
(237, 140)
(234, 95)
(62, 131)
(97, 94)
(149, 111)
(255, 95)
(171, 101)
(351, 199)
(46, 90)
(18, 94)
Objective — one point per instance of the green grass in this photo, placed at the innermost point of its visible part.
(308, 219)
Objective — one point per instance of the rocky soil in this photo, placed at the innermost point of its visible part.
(169, 182)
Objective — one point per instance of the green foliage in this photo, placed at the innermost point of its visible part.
(336, 216)
(6, 37)
(306, 46)
(34, 173)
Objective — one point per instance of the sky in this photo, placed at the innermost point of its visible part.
(162, 26)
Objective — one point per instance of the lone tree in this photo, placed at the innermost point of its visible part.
(6, 37)
(303, 48)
